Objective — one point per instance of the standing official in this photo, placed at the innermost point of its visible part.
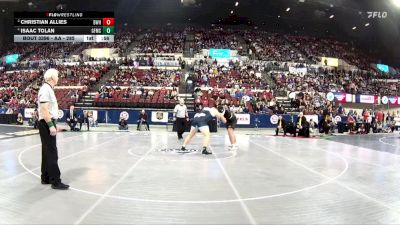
(48, 114)
(143, 120)
(181, 116)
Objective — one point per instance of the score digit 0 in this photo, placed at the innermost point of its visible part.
(108, 21)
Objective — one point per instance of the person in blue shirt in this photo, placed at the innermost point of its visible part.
(200, 123)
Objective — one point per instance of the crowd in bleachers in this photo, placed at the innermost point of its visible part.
(161, 42)
(314, 47)
(240, 100)
(271, 47)
(135, 96)
(81, 75)
(335, 81)
(51, 51)
(217, 38)
(23, 49)
(122, 40)
(238, 83)
(210, 74)
(18, 89)
(137, 77)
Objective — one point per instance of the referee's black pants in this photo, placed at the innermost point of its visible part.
(180, 126)
(50, 170)
(85, 120)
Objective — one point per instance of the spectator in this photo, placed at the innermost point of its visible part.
(122, 124)
(72, 118)
(302, 126)
(20, 119)
(33, 121)
(281, 126)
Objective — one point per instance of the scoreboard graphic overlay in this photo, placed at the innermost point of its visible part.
(63, 26)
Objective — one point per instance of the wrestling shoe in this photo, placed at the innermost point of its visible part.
(233, 148)
(45, 182)
(205, 152)
(60, 186)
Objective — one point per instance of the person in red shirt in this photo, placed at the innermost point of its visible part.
(205, 102)
(350, 123)
(366, 121)
(163, 90)
(365, 115)
(379, 116)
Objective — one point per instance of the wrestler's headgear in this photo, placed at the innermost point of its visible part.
(221, 109)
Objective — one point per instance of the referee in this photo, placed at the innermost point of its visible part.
(48, 114)
(181, 117)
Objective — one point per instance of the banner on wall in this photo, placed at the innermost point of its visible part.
(343, 97)
(326, 61)
(159, 117)
(243, 119)
(219, 53)
(160, 62)
(382, 67)
(392, 100)
(28, 112)
(70, 63)
(99, 52)
(371, 99)
(295, 70)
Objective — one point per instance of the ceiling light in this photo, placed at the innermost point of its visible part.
(232, 12)
(236, 4)
(288, 9)
(396, 3)
(367, 24)
(331, 16)
(354, 28)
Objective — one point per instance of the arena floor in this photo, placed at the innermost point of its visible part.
(139, 178)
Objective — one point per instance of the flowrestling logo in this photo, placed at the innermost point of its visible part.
(376, 14)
